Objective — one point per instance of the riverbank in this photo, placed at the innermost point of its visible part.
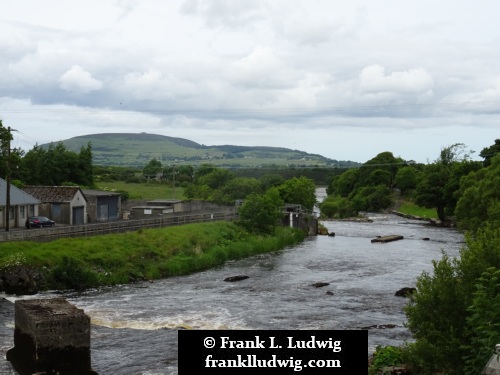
(82, 263)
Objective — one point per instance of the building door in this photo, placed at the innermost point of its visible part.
(78, 215)
(103, 214)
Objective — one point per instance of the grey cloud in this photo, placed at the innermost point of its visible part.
(224, 13)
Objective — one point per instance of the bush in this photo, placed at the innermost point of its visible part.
(453, 315)
(336, 207)
(71, 274)
(483, 323)
(261, 213)
(385, 356)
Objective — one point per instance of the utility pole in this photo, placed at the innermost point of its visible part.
(7, 172)
(173, 178)
(6, 137)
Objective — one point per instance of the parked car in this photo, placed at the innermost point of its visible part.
(39, 222)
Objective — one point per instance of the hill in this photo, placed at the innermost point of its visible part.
(137, 149)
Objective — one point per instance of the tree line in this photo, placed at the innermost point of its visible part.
(447, 185)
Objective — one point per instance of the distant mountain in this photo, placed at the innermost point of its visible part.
(137, 149)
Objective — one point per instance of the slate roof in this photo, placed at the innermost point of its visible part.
(18, 197)
(53, 194)
(100, 193)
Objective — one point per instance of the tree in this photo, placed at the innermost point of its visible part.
(490, 152)
(57, 165)
(343, 184)
(479, 200)
(300, 190)
(85, 174)
(215, 179)
(430, 191)
(152, 168)
(406, 179)
(261, 213)
(438, 186)
(370, 198)
(5, 151)
(239, 188)
(268, 181)
(385, 161)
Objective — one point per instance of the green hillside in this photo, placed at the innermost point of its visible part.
(137, 149)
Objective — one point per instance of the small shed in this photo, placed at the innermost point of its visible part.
(150, 212)
(174, 204)
(63, 204)
(102, 205)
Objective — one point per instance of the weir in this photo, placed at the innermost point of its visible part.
(51, 336)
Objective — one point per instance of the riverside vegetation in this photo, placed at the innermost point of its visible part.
(81, 263)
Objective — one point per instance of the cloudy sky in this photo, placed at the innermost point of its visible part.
(344, 79)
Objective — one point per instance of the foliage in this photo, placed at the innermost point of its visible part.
(343, 184)
(449, 305)
(438, 185)
(488, 153)
(238, 188)
(430, 191)
(299, 190)
(436, 319)
(270, 180)
(336, 207)
(406, 179)
(56, 165)
(385, 356)
(479, 200)
(152, 168)
(483, 321)
(370, 198)
(367, 188)
(115, 173)
(261, 213)
(72, 274)
(216, 179)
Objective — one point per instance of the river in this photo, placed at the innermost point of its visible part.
(134, 327)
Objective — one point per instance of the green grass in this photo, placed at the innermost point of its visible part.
(149, 191)
(79, 263)
(410, 208)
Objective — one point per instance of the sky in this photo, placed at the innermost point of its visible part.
(343, 79)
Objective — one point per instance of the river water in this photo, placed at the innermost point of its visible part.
(134, 327)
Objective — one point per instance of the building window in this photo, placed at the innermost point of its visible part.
(11, 213)
(32, 210)
(22, 212)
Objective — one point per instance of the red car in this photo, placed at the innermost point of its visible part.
(39, 222)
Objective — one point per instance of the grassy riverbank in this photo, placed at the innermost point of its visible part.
(80, 263)
(410, 208)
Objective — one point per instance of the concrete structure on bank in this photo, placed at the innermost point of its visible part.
(493, 365)
(51, 336)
